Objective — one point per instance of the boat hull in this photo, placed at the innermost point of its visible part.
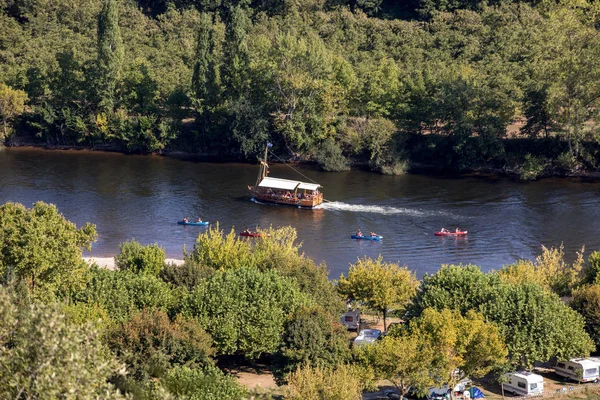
(463, 233)
(274, 198)
(253, 234)
(203, 223)
(376, 237)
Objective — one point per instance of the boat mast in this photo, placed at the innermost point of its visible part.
(263, 166)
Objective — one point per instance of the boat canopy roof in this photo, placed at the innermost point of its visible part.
(287, 184)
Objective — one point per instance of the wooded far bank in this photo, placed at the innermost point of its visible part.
(338, 82)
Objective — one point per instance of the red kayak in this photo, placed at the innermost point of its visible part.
(253, 234)
(459, 233)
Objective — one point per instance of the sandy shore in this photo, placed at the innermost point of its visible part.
(109, 262)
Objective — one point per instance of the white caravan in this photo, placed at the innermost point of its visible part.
(351, 320)
(523, 383)
(579, 369)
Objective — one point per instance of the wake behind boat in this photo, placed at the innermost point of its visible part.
(284, 191)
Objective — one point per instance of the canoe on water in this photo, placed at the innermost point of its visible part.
(196, 223)
(369, 237)
(459, 233)
(253, 234)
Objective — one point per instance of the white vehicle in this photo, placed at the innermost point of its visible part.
(579, 369)
(523, 383)
(351, 320)
(443, 392)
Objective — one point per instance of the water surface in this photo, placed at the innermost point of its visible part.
(142, 197)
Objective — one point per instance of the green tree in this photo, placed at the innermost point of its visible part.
(203, 64)
(406, 361)
(591, 270)
(12, 104)
(586, 301)
(245, 310)
(150, 344)
(122, 293)
(43, 356)
(311, 338)
(319, 383)
(467, 344)
(207, 383)
(110, 54)
(379, 285)
(140, 259)
(537, 325)
(41, 248)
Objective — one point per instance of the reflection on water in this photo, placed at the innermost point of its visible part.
(142, 197)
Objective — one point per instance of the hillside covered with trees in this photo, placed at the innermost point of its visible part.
(388, 83)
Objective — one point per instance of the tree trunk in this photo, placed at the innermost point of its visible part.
(384, 319)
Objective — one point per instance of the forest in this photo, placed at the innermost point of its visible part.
(152, 330)
(459, 85)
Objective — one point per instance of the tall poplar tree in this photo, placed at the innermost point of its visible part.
(202, 67)
(110, 54)
(236, 52)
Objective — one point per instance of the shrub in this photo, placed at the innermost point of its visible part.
(43, 356)
(188, 275)
(318, 383)
(208, 383)
(586, 301)
(122, 292)
(311, 337)
(330, 157)
(591, 270)
(150, 344)
(140, 259)
(532, 168)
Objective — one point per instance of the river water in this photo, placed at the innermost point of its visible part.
(142, 197)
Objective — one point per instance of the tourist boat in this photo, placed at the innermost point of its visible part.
(284, 191)
(253, 234)
(459, 233)
(368, 237)
(202, 223)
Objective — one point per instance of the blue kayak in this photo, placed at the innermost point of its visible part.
(203, 223)
(376, 237)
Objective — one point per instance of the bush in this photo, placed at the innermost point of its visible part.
(140, 259)
(311, 338)
(532, 168)
(188, 275)
(208, 383)
(586, 301)
(45, 357)
(330, 157)
(123, 292)
(324, 384)
(591, 270)
(150, 344)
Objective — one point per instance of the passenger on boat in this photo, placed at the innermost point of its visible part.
(358, 232)
(374, 234)
(444, 230)
(246, 231)
(199, 219)
(185, 219)
(457, 231)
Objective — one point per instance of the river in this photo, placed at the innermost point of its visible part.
(142, 197)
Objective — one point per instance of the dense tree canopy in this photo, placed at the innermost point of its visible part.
(40, 247)
(380, 82)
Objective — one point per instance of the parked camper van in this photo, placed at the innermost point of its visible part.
(351, 320)
(523, 383)
(579, 369)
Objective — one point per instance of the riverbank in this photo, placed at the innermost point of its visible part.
(516, 165)
(109, 262)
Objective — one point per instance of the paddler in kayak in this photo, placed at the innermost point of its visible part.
(373, 234)
(358, 232)
(444, 230)
(185, 219)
